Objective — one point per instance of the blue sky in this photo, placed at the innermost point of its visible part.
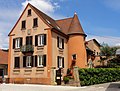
(99, 18)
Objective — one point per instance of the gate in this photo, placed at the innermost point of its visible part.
(58, 76)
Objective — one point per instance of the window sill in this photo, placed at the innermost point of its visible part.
(35, 26)
(40, 47)
(29, 15)
(23, 28)
(17, 50)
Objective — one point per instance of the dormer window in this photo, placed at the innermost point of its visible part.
(29, 12)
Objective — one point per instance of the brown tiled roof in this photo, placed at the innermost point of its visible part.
(94, 41)
(66, 26)
(3, 57)
(75, 26)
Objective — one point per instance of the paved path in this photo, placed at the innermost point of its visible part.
(114, 86)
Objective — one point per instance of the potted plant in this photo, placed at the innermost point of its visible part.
(66, 79)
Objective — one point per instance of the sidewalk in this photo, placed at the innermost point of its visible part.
(113, 86)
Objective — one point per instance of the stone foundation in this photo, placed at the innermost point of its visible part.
(45, 81)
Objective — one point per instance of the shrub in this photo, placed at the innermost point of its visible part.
(66, 79)
(98, 75)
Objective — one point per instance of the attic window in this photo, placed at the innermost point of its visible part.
(48, 21)
(29, 12)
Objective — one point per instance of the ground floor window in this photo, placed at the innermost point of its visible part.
(41, 61)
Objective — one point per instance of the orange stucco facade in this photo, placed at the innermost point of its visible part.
(71, 44)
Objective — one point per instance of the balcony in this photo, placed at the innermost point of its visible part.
(27, 48)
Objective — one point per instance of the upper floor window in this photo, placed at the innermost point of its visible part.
(23, 24)
(40, 40)
(60, 62)
(17, 43)
(74, 56)
(29, 12)
(60, 43)
(17, 62)
(35, 22)
(29, 40)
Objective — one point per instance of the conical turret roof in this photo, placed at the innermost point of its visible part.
(75, 26)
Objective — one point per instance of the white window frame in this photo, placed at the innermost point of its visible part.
(40, 61)
(40, 40)
(17, 43)
(60, 42)
(28, 61)
(60, 62)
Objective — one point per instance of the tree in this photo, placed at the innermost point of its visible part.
(107, 52)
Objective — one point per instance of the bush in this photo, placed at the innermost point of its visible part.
(98, 75)
(66, 79)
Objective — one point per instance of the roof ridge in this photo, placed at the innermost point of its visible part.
(64, 19)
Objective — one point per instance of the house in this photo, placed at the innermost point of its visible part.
(3, 64)
(93, 48)
(38, 43)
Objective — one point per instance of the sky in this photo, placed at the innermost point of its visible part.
(100, 19)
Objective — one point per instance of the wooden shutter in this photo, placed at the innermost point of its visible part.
(62, 43)
(30, 40)
(24, 61)
(58, 42)
(17, 62)
(13, 43)
(58, 61)
(36, 40)
(63, 62)
(35, 60)
(20, 42)
(27, 40)
(44, 39)
(44, 57)
(32, 61)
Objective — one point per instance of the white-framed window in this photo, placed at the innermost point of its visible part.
(17, 43)
(40, 60)
(74, 56)
(60, 62)
(28, 61)
(60, 42)
(40, 40)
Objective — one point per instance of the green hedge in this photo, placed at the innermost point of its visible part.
(98, 75)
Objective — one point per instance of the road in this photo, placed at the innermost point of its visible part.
(114, 86)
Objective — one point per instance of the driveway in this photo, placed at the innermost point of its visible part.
(113, 86)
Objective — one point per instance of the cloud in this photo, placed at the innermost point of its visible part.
(47, 6)
(113, 4)
(112, 41)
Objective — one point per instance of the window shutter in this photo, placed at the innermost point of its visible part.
(27, 40)
(58, 42)
(63, 62)
(24, 61)
(13, 43)
(44, 39)
(30, 40)
(17, 62)
(62, 43)
(32, 61)
(20, 42)
(44, 57)
(35, 60)
(58, 61)
(36, 40)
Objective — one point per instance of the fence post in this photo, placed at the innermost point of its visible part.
(76, 76)
(53, 76)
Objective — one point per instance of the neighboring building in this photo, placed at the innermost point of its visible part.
(117, 52)
(3, 64)
(37, 42)
(93, 47)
